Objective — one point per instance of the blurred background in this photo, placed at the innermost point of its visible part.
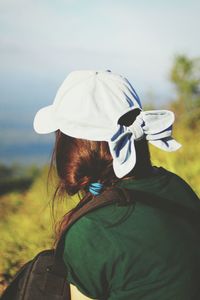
(155, 44)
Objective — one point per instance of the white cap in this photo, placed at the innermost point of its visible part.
(88, 105)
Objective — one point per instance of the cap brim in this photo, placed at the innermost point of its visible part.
(44, 121)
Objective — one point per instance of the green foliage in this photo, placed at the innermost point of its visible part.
(185, 75)
(26, 224)
(186, 161)
(16, 178)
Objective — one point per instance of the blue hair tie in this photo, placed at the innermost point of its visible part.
(95, 188)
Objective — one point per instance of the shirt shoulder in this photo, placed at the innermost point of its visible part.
(88, 255)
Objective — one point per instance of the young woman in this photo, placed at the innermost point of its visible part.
(137, 250)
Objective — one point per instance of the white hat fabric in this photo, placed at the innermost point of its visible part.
(89, 104)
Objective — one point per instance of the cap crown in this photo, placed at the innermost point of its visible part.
(89, 103)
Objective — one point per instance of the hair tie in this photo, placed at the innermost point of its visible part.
(95, 188)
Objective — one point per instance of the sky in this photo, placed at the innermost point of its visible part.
(42, 41)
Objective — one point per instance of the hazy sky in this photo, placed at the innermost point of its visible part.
(43, 40)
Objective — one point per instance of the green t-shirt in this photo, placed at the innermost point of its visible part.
(138, 252)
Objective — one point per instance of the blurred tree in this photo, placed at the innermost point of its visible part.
(16, 177)
(185, 75)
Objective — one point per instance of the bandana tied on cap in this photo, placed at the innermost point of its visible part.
(89, 104)
(154, 125)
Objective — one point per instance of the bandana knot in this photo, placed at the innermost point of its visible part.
(155, 126)
(137, 128)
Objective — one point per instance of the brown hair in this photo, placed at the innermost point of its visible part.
(79, 162)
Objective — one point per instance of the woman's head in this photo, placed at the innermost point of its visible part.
(79, 162)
